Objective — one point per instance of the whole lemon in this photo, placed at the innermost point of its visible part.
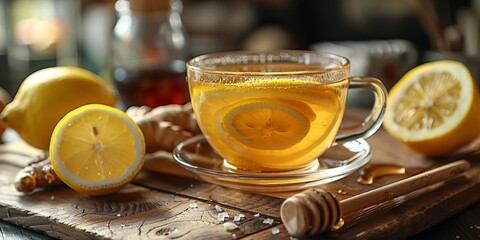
(47, 95)
(4, 100)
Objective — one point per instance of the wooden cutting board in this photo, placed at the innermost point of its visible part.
(166, 202)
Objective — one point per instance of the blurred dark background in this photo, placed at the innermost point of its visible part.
(383, 38)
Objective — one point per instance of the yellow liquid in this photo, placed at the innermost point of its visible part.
(311, 112)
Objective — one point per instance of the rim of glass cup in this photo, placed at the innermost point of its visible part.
(208, 63)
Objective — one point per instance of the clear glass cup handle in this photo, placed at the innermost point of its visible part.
(374, 120)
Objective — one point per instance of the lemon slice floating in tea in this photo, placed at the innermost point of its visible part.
(97, 149)
(268, 123)
(435, 108)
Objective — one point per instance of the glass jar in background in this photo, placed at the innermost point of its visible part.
(149, 53)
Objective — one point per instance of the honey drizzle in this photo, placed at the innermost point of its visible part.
(342, 192)
(372, 172)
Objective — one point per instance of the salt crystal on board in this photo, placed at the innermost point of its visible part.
(238, 217)
(221, 216)
(229, 226)
(257, 215)
(275, 231)
(192, 205)
(268, 221)
(218, 208)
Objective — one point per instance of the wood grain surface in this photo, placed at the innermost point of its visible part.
(167, 202)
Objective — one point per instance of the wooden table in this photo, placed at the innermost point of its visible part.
(165, 202)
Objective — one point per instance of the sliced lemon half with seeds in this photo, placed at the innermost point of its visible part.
(268, 123)
(97, 149)
(434, 108)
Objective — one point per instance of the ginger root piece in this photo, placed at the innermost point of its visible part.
(36, 175)
(165, 126)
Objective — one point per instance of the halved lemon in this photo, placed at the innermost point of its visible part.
(434, 108)
(96, 149)
(268, 123)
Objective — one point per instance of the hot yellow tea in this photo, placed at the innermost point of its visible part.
(269, 122)
(277, 111)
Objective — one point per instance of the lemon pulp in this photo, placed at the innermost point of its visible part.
(268, 123)
(97, 149)
(429, 103)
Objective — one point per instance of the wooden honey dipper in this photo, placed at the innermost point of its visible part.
(315, 210)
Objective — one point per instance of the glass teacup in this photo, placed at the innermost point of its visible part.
(276, 111)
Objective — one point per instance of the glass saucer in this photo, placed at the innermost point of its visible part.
(340, 160)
